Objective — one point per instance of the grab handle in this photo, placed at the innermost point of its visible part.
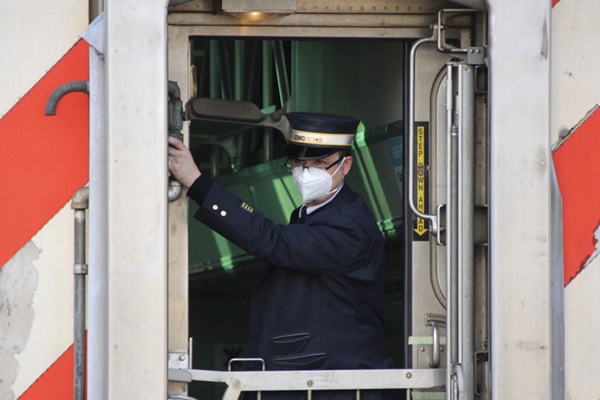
(436, 322)
(432, 218)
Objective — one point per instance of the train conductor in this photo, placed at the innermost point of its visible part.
(320, 302)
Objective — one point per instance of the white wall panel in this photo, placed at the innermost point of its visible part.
(35, 34)
(582, 330)
(52, 304)
(520, 172)
(575, 89)
(575, 62)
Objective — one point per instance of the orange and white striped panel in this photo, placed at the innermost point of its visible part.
(577, 163)
(44, 160)
(575, 115)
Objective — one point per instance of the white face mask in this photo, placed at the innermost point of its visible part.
(314, 183)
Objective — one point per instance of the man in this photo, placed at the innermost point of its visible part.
(320, 303)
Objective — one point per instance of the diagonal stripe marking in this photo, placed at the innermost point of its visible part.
(44, 159)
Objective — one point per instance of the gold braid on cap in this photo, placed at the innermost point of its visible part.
(322, 138)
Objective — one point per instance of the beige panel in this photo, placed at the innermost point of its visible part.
(429, 64)
(575, 89)
(52, 304)
(136, 105)
(35, 34)
(520, 229)
(179, 71)
(582, 330)
(575, 71)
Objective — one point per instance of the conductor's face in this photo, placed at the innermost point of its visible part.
(319, 179)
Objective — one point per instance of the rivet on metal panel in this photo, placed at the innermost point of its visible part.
(178, 360)
(475, 55)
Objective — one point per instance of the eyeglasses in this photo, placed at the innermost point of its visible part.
(292, 163)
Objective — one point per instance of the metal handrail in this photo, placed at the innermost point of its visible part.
(372, 379)
(459, 231)
(433, 219)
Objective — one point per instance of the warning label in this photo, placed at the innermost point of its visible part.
(421, 179)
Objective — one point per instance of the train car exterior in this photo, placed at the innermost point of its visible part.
(573, 124)
(41, 49)
(528, 317)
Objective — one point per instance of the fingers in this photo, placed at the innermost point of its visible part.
(181, 163)
(177, 151)
(174, 142)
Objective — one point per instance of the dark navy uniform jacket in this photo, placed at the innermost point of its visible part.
(320, 303)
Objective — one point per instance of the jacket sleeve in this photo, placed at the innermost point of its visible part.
(330, 243)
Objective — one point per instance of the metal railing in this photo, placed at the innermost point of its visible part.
(309, 381)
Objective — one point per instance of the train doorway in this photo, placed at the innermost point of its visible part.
(395, 85)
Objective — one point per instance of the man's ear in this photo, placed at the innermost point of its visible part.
(347, 165)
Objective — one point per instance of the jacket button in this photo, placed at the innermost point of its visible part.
(215, 207)
(223, 213)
